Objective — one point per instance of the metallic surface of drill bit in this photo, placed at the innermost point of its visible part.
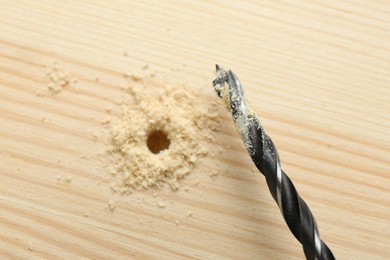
(265, 156)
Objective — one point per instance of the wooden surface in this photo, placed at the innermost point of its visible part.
(317, 72)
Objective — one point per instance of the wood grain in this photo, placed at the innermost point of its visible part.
(317, 72)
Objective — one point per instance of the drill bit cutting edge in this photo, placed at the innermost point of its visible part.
(263, 153)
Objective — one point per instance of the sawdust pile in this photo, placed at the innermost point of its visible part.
(161, 136)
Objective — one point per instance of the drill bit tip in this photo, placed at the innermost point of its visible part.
(222, 77)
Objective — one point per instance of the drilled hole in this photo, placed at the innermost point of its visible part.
(158, 141)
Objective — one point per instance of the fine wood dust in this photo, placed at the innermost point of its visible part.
(187, 123)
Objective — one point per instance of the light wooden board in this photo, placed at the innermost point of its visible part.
(317, 72)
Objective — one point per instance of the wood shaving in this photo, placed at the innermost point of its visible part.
(176, 111)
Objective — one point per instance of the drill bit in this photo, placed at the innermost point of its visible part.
(263, 153)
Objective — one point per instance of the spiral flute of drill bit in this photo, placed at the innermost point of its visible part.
(265, 156)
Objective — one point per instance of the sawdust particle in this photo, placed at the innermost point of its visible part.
(84, 156)
(68, 179)
(108, 109)
(161, 204)
(111, 205)
(94, 136)
(106, 121)
(136, 77)
(58, 78)
(214, 174)
(39, 94)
